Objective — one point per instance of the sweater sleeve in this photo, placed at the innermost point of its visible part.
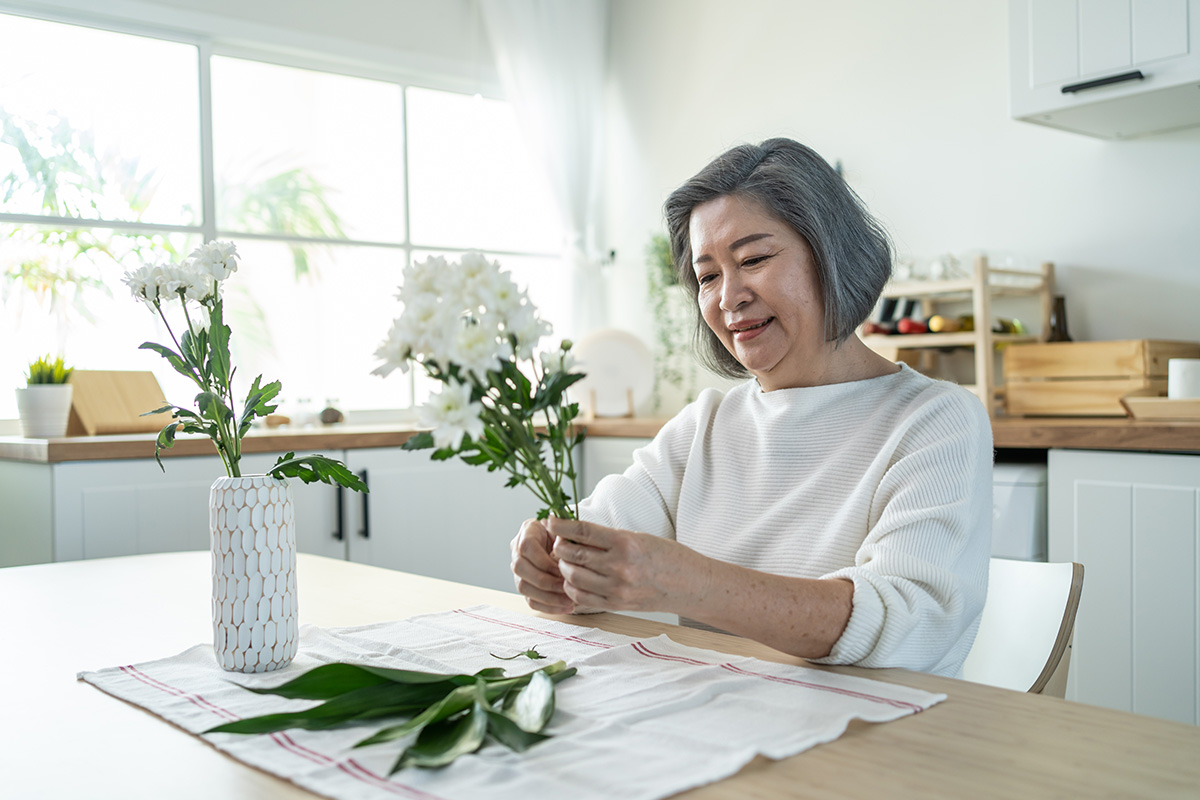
(920, 575)
(645, 497)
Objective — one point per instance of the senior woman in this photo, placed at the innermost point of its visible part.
(836, 505)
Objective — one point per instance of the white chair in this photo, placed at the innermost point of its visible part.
(1024, 639)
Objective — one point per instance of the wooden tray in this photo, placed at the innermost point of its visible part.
(1162, 408)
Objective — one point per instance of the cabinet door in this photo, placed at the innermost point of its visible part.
(443, 519)
(607, 455)
(1131, 520)
(130, 506)
(1056, 43)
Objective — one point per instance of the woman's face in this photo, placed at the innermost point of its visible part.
(759, 291)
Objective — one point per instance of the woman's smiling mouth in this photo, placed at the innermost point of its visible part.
(744, 331)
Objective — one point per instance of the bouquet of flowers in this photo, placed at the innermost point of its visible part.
(201, 354)
(470, 327)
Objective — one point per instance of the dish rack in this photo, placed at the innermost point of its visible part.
(920, 350)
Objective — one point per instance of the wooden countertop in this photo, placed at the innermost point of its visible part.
(277, 440)
(1037, 433)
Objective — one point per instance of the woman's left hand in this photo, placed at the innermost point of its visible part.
(618, 570)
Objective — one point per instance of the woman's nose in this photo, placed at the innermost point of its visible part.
(734, 293)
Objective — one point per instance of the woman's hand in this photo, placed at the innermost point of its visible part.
(618, 570)
(536, 572)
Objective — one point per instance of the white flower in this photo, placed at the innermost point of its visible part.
(394, 351)
(142, 283)
(452, 415)
(218, 259)
(558, 361)
(528, 328)
(477, 347)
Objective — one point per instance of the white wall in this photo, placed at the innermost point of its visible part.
(912, 96)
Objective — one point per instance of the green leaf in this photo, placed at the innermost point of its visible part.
(324, 682)
(532, 706)
(218, 344)
(174, 359)
(335, 711)
(510, 734)
(454, 702)
(162, 410)
(257, 403)
(419, 441)
(440, 743)
(164, 441)
(317, 467)
(212, 407)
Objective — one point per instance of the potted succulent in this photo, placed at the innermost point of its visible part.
(45, 402)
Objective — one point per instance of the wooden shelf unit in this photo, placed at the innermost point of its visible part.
(979, 290)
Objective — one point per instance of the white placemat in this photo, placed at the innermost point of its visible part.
(643, 718)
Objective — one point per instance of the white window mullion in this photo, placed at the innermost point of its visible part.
(208, 182)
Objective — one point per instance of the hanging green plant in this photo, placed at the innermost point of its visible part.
(673, 364)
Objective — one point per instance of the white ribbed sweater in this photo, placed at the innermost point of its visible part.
(886, 482)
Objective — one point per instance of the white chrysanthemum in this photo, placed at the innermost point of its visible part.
(558, 361)
(142, 284)
(198, 282)
(218, 259)
(528, 328)
(394, 351)
(477, 348)
(452, 415)
(428, 279)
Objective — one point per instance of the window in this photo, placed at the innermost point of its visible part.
(329, 183)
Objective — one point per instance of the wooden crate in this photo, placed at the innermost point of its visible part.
(1086, 379)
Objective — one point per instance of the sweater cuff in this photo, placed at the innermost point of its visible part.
(865, 626)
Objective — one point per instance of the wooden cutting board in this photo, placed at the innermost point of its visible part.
(110, 402)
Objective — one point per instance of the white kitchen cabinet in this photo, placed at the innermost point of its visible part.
(1107, 68)
(608, 455)
(444, 519)
(131, 506)
(1132, 520)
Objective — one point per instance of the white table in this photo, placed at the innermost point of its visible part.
(62, 738)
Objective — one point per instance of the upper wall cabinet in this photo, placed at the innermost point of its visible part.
(1113, 69)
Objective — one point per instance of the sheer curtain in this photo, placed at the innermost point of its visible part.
(551, 56)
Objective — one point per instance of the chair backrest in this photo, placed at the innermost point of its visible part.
(1024, 637)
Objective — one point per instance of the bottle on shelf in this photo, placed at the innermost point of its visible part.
(1058, 321)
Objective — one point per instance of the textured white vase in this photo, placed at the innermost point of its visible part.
(253, 536)
(45, 409)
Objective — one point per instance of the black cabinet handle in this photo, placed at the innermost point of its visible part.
(339, 532)
(366, 509)
(1136, 75)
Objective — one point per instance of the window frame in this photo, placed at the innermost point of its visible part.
(277, 53)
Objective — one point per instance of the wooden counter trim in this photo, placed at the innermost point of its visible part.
(1096, 434)
(1032, 433)
(281, 440)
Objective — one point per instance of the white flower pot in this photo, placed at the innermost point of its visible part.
(253, 537)
(45, 409)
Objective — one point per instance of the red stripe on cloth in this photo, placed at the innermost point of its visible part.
(641, 648)
(515, 626)
(363, 775)
(384, 783)
(823, 688)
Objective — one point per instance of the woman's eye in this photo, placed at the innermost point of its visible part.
(750, 262)
(704, 279)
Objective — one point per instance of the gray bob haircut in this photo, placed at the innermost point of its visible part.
(852, 251)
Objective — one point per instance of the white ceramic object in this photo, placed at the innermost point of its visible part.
(619, 368)
(1183, 378)
(45, 409)
(253, 536)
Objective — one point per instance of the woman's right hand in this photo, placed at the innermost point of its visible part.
(535, 570)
